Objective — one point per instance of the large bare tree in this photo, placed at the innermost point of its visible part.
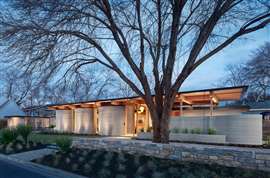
(139, 40)
(255, 72)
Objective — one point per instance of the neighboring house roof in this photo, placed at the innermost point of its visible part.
(259, 107)
(9, 108)
(263, 105)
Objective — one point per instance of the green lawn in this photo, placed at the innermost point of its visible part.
(50, 138)
(46, 138)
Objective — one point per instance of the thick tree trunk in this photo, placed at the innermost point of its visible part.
(160, 119)
(161, 129)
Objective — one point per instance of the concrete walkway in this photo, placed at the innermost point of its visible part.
(31, 155)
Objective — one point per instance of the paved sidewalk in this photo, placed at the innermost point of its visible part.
(35, 154)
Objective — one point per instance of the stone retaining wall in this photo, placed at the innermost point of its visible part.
(253, 158)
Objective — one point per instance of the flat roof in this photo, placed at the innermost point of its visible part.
(188, 97)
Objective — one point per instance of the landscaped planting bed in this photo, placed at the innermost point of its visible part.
(19, 146)
(105, 164)
(16, 140)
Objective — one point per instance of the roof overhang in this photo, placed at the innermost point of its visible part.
(196, 97)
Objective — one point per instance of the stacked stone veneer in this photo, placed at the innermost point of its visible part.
(253, 158)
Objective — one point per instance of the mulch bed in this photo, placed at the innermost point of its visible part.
(105, 164)
(19, 146)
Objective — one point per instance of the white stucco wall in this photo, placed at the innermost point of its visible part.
(15, 121)
(63, 120)
(239, 129)
(83, 123)
(111, 120)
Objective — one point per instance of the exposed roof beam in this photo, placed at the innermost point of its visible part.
(183, 99)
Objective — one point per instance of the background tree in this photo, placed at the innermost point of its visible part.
(163, 40)
(255, 73)
(32, 89)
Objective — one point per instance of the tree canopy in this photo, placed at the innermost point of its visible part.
(255, 73)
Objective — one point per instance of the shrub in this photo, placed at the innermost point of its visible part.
(108, 156)
(24, 131)
(8, 135)
(120, 176)
(136, 160)
(121, 167)
(87, 168)
(185, 130)
(196, 131)
(140, 170)
(267, 141)
(158, 174)
(74, 167)
(149, 129)
(175, 130)
(64, 143)
(211, 131)
(142, 130)
(104, 173)
(151, 165)
(51, 126)
(122, 158)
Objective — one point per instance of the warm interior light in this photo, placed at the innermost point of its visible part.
(214, 100)
(140, 110)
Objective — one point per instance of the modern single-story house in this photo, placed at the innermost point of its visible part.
(11, 115)
(129, 116)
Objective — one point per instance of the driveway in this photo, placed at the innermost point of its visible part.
(17, 166)
(9, 169)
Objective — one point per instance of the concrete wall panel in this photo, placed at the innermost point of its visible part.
(63, 121)
(239, 129)
(83, 121)
(111, 120)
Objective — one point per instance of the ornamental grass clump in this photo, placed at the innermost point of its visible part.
(122, 158)
(157, 174)
(267, 142)
(24, 131)
(196, 131)
(136, 160)
(64, 143)
(87, 168)
(176, 130)
(92, 161)
(211, 131)
(121, 167)
(108, 155)
(120, 176)
(185, 130)
(151, 165)
(106, 163)
(104, 173)
(141, 170)
(173, 171)
(74, 167)
(8, 135)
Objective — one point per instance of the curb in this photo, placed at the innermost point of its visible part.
(40, 169)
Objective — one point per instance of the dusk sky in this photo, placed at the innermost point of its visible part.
(213, 70)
